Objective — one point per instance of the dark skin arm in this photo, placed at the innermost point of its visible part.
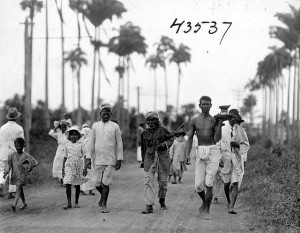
(143, 150)
(218, 131)
(63, 169)
(192, 130)
(118, 164)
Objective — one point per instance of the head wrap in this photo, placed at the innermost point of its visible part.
(234, 111)
(105, 106)
(152, 114)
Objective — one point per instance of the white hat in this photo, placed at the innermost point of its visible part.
(73, 128)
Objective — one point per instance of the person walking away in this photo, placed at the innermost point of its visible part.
(58, 133)
(8, 133)
(20, 164)
(90, 184)
(208, 132)
(177, 155)
(73, 171)
(155, 142)
(105, 142)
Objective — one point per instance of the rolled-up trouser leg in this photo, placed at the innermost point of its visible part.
(149, 195)
(162, 182)
(11, 188)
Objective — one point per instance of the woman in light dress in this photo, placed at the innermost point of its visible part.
(58, 132)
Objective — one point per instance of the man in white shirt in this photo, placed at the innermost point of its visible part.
(233, 145)
(105, 142)
(8, 133)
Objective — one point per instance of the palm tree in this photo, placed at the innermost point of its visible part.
(180, 55)
(268, 73)
(47, 116)
(76, 58)
(97, 11)
(164, 46)
(34, 6)
(289, 35)
(128, 41)
(60, 13)
(154, 61)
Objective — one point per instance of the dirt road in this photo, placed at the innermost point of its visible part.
(45, 213)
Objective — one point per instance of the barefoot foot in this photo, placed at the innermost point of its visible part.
(76, 205)
(201, 209)
(232, 211)
(207, 216)
(22, 207)
(104, 210)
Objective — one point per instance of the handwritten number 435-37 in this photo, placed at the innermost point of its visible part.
(189, 28)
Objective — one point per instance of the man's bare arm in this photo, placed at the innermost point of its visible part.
(192, 129)
(218, 131)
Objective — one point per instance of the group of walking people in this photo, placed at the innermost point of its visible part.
(94, 154)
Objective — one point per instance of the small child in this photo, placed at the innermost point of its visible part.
(73, 171)
(20, 163)
(177, 155)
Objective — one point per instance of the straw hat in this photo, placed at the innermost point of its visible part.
(180, 131)
(73, 128)
(12, 114)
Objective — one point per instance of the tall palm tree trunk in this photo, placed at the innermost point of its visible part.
(62, 61)
(294, 97)
(119, 92)
(27, 102)
(276, 92)
(47, 116)
(270, 113)
(178, 89)
(288, 136)
(123, 99)
(264, 111)
(298, 97)
(282, 113)
(155, 89)
(73, 93)
(79, 110)
(99, 78)
(166, 88)
(93, 81)
(128, 84)
(99, 85)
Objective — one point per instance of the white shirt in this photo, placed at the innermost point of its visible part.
(8, 133)
(105, 140)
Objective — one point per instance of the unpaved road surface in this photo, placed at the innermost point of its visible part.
(125, 202)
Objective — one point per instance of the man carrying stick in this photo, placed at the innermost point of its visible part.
(208, 132)
(155, 142)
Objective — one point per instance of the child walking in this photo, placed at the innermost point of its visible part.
(177, 155)
(73, 171)
(20, 163)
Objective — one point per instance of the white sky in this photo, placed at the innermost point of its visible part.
(215, 70)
